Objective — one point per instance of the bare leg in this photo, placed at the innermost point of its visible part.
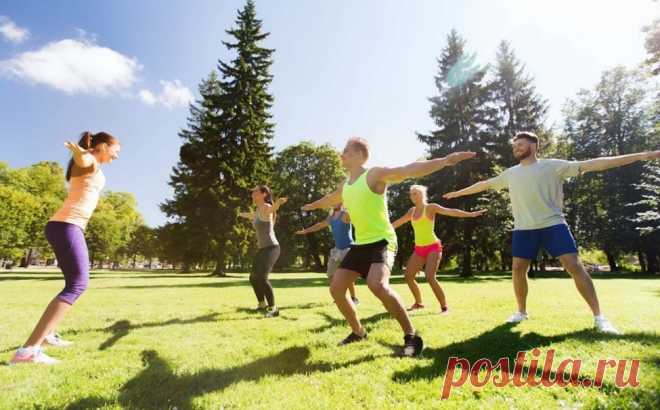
(432, 263)
(378, 281)
(51, 317)
(415, 263)
(583, 282)
(351, 290)
(341, 281)
(519, 274)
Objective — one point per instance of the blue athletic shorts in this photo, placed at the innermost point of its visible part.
(556, 239)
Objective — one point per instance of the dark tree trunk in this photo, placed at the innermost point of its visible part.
(611, 260)
(642, 261)
(466, 269)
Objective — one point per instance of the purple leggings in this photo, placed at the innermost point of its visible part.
(70, 248)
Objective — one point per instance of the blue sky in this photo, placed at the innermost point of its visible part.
(341, 68)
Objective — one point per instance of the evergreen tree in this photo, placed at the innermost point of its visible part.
(226, 147)
(463, 119)
(519, 106)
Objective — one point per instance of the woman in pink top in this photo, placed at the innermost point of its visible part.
(64, 232)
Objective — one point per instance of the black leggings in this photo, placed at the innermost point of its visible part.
(263, 264)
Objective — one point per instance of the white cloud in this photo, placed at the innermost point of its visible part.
(11, 32)
(147, 97)
(75, 67)
(173, 95)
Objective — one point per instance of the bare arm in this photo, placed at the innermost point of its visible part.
(268, 209)
(601, 164)
(472, 189)
(456, 213)
(314, 228)
(405, 218)
(81, 157)
(247, 215)
(328, 201)
(419, 168)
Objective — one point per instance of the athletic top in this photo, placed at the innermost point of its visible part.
(341, 231)
(265, 232)
(423, 228)
(82, 198)
(537, 198)
(369, 213)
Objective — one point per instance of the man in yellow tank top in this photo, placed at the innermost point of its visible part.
(371, 256)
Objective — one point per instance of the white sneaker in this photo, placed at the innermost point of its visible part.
(32, 355)
(517, 317)
(54, 339)
(604, 326)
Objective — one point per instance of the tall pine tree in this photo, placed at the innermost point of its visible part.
(463, 118)
(226, 147)
(519, 106)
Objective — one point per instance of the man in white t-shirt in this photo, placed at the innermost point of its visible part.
(535, 189)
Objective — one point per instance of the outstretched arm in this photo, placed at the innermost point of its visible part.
(271, 209)
(601, 164)
(420, 168)
(247, 215)
(81, 157)
(456, 213)
(328, 201)
(472, 189)
(314, 228)
(405, 218)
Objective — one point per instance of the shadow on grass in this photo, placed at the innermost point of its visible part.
(159, 387)
(368, 322)
(29, 277)
(283, 283)
(121, 328)
(503, 342)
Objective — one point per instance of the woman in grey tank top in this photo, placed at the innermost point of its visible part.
(263, 220)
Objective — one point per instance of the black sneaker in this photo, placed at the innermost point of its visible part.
(356, 301)
(272, 312)
(412, 346)
(352, 338)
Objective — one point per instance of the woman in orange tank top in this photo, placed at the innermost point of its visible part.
(65, 233)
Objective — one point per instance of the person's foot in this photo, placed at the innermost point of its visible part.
(355, 300)
(604, 326)
(415, 306)
(272, 312)
(352, 338)
(32, 355)
(517, 317)
(412, 345)
(444, 310)
(54, 339)
(261, 307)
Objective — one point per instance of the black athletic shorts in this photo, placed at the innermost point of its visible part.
(360, 257)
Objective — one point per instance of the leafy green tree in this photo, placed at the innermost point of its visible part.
(612, 119)
(305, 172)
(111, 227)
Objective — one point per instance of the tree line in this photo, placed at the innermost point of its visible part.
(227, 149)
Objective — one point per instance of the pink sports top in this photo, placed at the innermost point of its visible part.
(83, 196)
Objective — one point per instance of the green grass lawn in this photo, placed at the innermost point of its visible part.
(146, 340)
